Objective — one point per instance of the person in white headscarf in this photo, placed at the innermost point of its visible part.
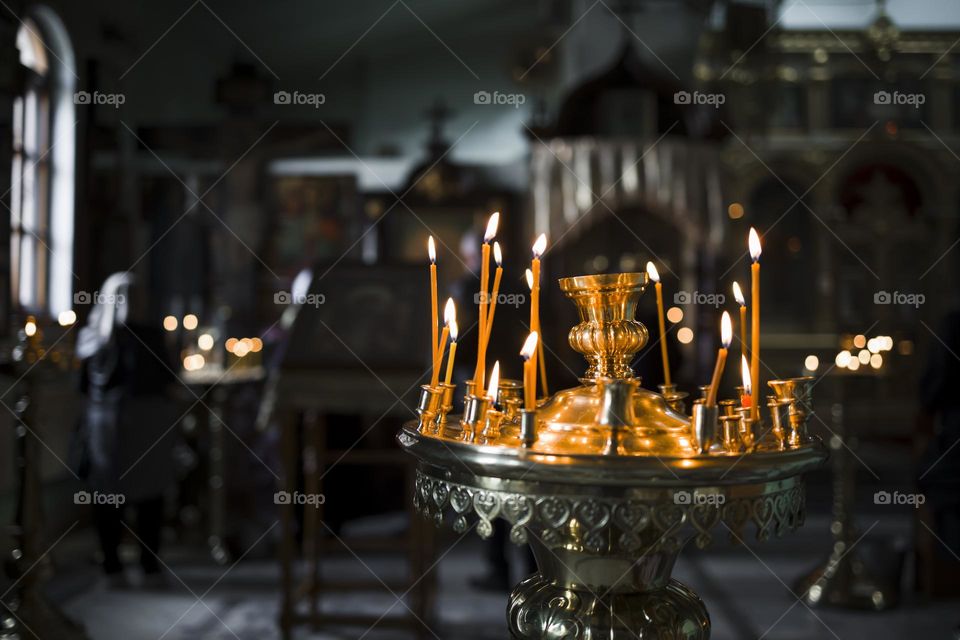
(111, 308)
(123, 446)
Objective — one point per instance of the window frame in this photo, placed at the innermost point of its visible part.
(43, 167)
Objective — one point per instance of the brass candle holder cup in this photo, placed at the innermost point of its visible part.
(446, 404)
(676, 400)
(797, 393)
(470, 389)
(780, 421)
(528, 428)
(491, 425)
(617, 411)
(704, 425)
(730, 427)
(475, 410)
(748, 429)
(428, 407)
(510, 399)
(728, 407)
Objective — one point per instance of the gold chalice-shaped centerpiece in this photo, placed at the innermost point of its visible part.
(612, 484)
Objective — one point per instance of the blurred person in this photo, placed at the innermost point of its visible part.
(122, 446)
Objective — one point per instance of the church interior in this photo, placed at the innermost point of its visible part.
(412, 319)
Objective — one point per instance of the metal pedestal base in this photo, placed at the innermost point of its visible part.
(588, 595)
(846, 581)
(540, 609)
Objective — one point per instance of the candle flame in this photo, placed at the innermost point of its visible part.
(726, 330)
(432, 250)
(530, 279)
(754, 243)
(745, 373)
(529, 345)
(492, 224)
(449, 312)
(497, 254)
(454, 330)
(540, 245)
(652, 272)
(738, 294)
(494, 380)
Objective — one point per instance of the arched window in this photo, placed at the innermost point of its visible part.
(44, 156)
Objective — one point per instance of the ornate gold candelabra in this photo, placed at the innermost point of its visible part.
(608, 481)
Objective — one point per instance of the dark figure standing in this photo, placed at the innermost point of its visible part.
(123, 443)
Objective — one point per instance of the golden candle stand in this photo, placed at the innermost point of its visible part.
(27, 613)
(607, 482)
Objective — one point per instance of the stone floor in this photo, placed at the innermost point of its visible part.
(749, 596)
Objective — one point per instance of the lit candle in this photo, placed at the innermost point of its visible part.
(494, 382)
(488, 236)
(432, 252)
(738, 295)
(745, 398)
(454, 332)
(754, 243)
(449, 315)
(529, 371)
(498, 258)
(726, 335)
(655, 276)
(540, 358)
(538, 248)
